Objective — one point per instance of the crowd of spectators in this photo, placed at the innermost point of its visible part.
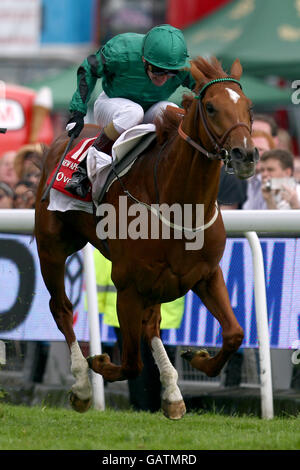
(19, 177)
(276, 184)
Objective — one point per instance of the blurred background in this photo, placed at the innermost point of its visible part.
(42, 44)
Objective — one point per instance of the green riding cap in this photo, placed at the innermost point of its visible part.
(165, 47)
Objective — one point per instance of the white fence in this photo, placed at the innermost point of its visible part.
(247, 223)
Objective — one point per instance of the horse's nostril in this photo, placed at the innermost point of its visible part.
(255, 155)
(238, 153)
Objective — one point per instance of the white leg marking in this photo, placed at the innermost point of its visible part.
(168, 375)
(79, 368)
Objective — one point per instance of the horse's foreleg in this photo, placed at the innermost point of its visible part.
(214, 295)
(81, 393)
(130, 311)
(172, 402)
(61, 308)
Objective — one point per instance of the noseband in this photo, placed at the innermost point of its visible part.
(220, 153)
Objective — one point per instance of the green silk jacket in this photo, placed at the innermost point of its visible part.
(119, 64)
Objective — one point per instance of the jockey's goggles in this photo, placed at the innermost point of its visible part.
(158, 71)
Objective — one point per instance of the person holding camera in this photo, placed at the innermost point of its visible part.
(279, 189)
(263, 141)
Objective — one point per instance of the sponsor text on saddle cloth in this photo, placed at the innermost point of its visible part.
(69, 165)
(98, 162)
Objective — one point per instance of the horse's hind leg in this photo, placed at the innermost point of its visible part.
(52, 260)
(172, 402)
(214, 295)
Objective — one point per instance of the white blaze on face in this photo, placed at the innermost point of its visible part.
(233, 95)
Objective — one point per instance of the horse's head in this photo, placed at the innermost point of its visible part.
(224, 116)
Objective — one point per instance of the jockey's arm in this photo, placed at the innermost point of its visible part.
(87, 75)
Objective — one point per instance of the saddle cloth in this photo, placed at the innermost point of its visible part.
(101, 172)
(69, 165)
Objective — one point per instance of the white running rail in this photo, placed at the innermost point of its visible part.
(237, 222)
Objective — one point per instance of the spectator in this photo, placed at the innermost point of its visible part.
(265, 123)
(28, 163)
(297, 169)
(284, 140)
(255, 200)
(262, 141)
(275, 165)
(24, 195)
(6, 196)
(7, 171)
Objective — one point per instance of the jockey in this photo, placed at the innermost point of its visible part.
(139, 73)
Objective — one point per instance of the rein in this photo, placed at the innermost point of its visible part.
(181, 228)
(217, 142)
(158, 213)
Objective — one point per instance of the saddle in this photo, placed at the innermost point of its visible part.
(122, 165)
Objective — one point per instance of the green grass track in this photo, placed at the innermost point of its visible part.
(43, 428)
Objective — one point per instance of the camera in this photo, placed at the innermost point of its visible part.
(274, 184)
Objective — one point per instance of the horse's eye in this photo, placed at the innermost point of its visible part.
(210, 109)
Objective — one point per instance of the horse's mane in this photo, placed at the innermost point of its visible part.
(167, 123)
(210, 69)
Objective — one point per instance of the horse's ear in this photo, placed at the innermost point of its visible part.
(197, 74)
(236, 70)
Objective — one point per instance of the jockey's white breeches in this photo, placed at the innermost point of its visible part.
(125, 113)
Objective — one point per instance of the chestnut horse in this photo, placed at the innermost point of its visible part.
(183, 166)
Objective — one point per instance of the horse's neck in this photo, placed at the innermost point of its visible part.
(188, 176)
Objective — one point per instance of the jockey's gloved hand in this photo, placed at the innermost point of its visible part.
(75, 124)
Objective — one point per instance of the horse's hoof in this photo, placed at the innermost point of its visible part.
(96, 362)
(90, 361)
(189, 354)
(174, 410)
(81, 406)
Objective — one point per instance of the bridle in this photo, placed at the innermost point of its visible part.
(220, 153)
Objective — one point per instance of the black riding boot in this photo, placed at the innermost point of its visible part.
(79, 183)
